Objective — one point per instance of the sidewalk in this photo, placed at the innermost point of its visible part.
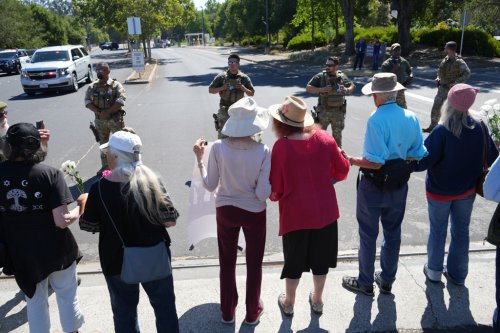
(414, 306)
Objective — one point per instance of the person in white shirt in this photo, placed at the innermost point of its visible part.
(238, 170)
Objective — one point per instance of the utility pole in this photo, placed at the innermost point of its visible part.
(268, 39)
(203, 25)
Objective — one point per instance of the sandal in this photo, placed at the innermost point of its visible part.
(286, 309)
(317, 308)
(351, 283)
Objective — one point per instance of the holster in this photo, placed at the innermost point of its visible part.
(95, 132)
(216, 121)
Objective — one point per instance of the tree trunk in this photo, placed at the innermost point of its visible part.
(405, 8)
(348, 12)
(336, 41)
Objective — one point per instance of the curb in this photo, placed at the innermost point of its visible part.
(129, 80)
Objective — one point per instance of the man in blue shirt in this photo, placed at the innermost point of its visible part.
(360, 53)
(393, 137)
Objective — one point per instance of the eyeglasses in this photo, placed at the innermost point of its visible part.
(232, 62)
(3, 113)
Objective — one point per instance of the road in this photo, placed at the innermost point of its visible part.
(172, 111)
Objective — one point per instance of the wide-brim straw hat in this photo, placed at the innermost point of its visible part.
(293, 112)
(246, 118)
(381, 83)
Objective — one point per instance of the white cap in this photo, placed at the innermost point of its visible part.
(124, 141)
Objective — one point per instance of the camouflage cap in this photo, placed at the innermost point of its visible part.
(395, 46)
(3, 104)
(451, 45)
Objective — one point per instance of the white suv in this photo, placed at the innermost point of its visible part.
(56, 68)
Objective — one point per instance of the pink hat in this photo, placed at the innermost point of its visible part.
(461, 96)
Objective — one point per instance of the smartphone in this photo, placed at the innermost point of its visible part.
(40, 124)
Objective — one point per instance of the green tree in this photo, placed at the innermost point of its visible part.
(17, 26)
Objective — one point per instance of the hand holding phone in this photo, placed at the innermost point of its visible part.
(40, 124)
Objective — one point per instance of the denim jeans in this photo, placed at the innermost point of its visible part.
(459, 213)
(496, 324)
(125, 297)
(373, 206)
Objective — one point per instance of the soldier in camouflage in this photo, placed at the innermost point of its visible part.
(452, 70)
(332, 85)
(105, 97)
(401, 67)
(231, 85)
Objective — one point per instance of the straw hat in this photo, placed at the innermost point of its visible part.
(293, 112)
(382, 82)
(246, 118)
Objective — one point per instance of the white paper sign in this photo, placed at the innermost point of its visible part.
(138, 61)
(201, 211)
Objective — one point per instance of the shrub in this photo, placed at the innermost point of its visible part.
(257, 40)
(476, 42)
(303, 41)
(386, 35)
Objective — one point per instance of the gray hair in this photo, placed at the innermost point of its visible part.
(387, 96)
(454, 120)
(144, 185)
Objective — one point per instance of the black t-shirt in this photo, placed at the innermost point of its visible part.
(134, 228)
(37, 247)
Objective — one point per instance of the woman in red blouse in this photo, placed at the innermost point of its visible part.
(304, 161)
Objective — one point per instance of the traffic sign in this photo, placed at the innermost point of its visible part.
(138, 61)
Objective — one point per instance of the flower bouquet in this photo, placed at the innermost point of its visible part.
(69, 169)
(491, 109)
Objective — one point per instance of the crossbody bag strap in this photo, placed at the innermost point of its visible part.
(109, 215)
(485, 145)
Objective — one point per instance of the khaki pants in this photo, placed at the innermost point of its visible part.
(400, 99)
(105, 129)
(222, 117)
(334, 117)
(439, 100)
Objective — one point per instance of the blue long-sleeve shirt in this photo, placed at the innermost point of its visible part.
(454, 164)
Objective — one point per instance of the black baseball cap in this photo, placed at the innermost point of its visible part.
(23, 135)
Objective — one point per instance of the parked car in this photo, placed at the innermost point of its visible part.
(9, 61)
(12, 60)
(109, 46)
(57, 68)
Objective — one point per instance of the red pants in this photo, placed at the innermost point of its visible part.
(229, 221)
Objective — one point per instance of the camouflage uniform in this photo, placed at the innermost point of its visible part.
(403, 73)
(331, 107)
(451, 70)
(229, 96)
(103, 96)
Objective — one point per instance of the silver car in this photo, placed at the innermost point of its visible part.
(56, 68)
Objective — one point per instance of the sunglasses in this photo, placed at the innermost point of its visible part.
(3, 113)
(330, 65)
(232, 62)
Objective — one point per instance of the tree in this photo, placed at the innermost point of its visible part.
(348, 12)
(18, 28)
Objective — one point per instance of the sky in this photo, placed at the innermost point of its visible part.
(201, 3)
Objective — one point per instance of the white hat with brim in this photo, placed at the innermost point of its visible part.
(246, 118)
(382, 83)
(124, 141)
(293, 112)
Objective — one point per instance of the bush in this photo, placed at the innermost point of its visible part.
(476, 42)
(254, 40)
(303, 41)
(386, 35)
